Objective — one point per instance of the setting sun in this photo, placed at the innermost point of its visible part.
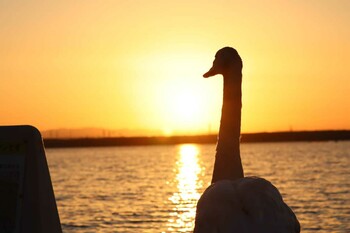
(186, 107)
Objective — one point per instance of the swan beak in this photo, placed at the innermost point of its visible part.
(210, 73)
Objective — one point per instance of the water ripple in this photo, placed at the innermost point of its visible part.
(155, 188)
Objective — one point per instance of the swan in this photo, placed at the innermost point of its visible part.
(234, 203)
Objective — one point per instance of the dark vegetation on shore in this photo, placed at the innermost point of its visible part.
(330, 135)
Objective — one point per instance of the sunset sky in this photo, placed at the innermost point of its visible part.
(139, 64)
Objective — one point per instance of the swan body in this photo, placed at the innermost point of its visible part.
(234, 203)
(246, 205)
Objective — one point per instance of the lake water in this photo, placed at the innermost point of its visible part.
(155, 188)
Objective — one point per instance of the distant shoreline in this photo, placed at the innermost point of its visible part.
(297, 136)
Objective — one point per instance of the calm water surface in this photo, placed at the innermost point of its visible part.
(156, 188)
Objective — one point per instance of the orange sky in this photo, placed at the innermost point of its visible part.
(139, 64)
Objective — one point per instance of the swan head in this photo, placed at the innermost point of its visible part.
(246, 205)
(226, 59)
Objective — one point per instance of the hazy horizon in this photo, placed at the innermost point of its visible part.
(90, 132)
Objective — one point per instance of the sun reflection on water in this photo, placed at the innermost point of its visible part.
(187, 195)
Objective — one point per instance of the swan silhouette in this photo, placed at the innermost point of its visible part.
(234, 203)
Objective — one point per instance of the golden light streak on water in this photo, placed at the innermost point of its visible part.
(187, 195)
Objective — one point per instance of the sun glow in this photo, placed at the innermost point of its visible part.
(180, 93)
(111, 65)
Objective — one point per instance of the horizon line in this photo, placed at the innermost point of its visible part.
(325, 135)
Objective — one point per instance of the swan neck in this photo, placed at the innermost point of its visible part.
(228, 165)
(230, 124)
